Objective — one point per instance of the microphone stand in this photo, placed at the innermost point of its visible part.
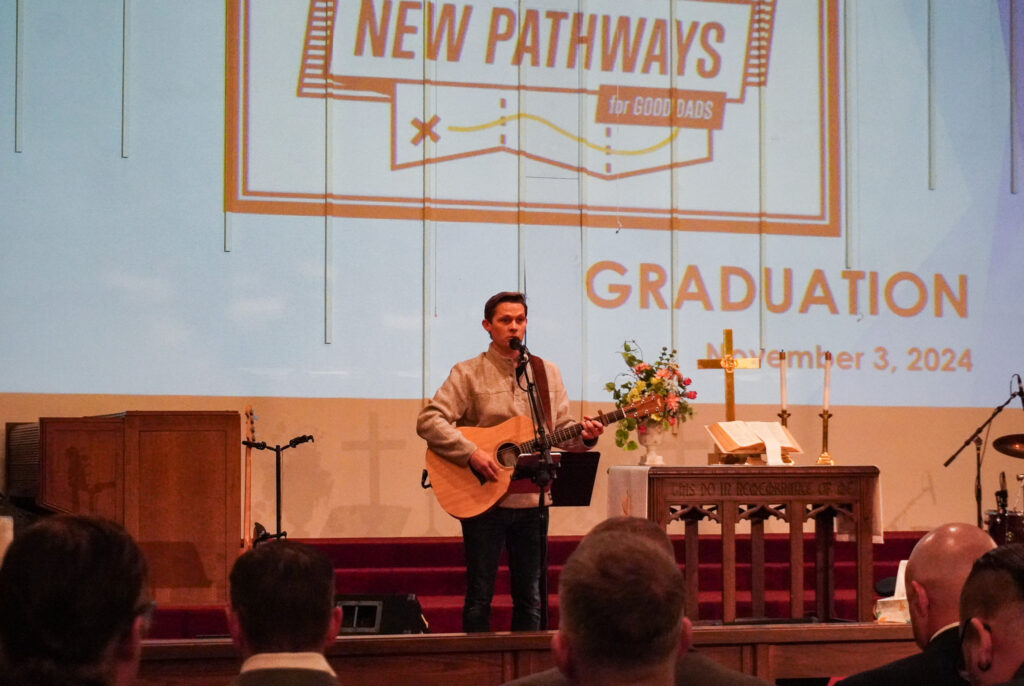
(542, 475)
(977, 478)
(261, 533)
(970, 439)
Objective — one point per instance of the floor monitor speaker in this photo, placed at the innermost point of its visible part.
(386, 613)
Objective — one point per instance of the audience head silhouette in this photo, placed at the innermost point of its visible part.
(621, 598)
(282, 599)
(74, 604)
(992, 617)
(636, 526)
(936, 571)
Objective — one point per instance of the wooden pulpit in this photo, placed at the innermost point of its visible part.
(172, 479)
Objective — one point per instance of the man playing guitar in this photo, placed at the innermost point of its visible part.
(485, 391)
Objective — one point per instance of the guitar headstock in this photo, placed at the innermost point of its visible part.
(250, 423)
(649, 404)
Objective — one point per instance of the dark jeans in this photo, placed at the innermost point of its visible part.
(522, 532)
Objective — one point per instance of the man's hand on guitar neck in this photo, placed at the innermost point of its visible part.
(592, 428)
(484, 464)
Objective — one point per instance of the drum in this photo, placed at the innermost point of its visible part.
(1005, 528)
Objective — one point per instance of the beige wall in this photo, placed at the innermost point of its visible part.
(360, 478)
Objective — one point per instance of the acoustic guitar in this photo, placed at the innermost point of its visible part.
(464, 493)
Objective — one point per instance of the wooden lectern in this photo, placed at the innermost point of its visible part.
(171, 478)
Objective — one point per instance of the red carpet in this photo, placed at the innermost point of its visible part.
(433, 570)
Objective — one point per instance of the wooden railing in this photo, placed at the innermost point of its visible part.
(768, 651)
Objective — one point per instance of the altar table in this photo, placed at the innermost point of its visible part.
(731, 494)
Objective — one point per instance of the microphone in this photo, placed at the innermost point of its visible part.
(524, 354)
(299, 440)
(1020, 391)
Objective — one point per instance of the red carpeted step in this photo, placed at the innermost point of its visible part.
(418, 580)
(391, 552)
(436, 552)
(426, 581)
(189, 622)
(434, 570)
(444, 613)
(776, 605)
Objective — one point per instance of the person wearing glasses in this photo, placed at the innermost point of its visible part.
(74, 604)
(992, 618)
(936, 570)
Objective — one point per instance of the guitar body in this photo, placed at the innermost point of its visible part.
(461, 492)
(457, 488)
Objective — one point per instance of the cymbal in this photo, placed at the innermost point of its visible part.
(1011, 444)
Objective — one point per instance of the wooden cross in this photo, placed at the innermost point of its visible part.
(730, 364)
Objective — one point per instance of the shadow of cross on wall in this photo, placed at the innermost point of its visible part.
(373, 446)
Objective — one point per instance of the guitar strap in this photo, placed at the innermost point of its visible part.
(541, 377)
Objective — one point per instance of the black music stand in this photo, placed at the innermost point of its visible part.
(574, 476)
(544, 469)
(571, 479)
(575, 482)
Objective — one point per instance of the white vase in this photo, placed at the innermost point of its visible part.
(650, 440)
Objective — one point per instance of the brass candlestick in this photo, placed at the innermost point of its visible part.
(825, 458)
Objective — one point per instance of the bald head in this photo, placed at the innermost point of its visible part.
(944, 556)
(936, 571)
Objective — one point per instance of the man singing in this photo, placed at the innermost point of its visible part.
(486, 391)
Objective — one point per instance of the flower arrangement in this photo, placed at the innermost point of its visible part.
(662, 378)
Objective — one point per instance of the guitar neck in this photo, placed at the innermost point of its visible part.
(570, 432)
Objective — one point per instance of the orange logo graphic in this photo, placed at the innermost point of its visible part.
(645, 114)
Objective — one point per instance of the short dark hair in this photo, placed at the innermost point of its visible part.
(636, 526)
(996, 582)
(621, 600)
(504, 297)
(283, 594)
(70, 586)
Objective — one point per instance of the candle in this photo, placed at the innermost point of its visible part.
(828, 374)
(782, 376)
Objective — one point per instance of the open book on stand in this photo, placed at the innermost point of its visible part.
(771, 439)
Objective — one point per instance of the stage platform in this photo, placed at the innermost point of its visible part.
(433, 569)
(770, 651)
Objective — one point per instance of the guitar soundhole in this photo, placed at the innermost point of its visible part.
(508, 454)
